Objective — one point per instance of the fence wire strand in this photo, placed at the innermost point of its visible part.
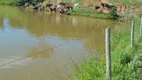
(35, 54)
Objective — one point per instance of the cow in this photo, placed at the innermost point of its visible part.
(76, 5)
(68, 6)
(64, 7)
(51, 7)
(105, 5)
(27, 4)
(38, 7)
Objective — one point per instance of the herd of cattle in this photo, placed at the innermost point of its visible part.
(61, 7)
(65, 7)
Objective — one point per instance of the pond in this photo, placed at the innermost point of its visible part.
(47, 46)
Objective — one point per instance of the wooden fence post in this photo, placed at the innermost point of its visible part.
(141, 26)
(132, 34)
(108, 54)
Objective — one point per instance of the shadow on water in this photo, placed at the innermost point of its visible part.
(28, 33)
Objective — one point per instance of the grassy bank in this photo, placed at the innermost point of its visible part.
(112, 14)
(128, 2)
(126, 61)
(92, 14)
(9, 2)
(14, 2)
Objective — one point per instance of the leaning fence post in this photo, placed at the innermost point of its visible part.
(141, 26)
(108, 54)
(132, 34)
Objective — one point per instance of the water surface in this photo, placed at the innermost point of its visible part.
(45, 46)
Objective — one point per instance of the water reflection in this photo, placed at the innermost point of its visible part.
(30, 34)
(1, 23)
(43, 51)
(39, 24)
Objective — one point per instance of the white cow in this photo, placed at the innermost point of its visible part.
(76, 5)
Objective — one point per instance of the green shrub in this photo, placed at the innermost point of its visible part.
(125, 59)
(113, 13)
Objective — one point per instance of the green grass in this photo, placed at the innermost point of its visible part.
(13, 2)
(126, 61)
(121, 1)
(89, 13)
(127, 2)
(9, 2)
(124, 2)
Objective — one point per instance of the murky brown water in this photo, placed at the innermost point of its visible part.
(45, 46)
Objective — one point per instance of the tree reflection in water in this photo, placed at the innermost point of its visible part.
(1, 23)
(38, 24)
